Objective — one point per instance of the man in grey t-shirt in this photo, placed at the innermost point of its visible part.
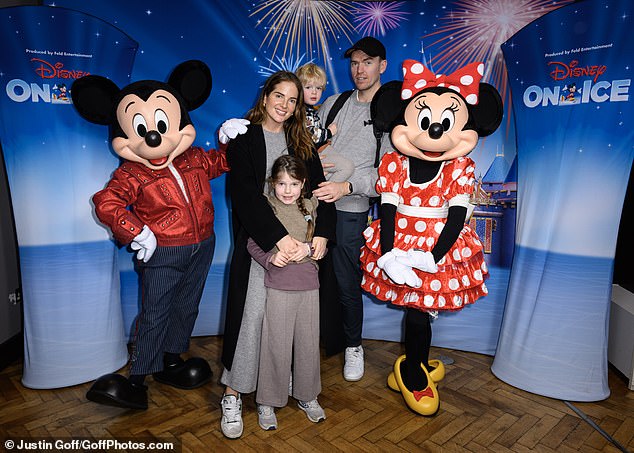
(354, 140)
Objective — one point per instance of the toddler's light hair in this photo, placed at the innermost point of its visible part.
(311, 71)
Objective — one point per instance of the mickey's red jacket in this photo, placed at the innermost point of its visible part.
(156, 199)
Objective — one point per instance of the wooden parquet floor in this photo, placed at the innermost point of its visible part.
(478, 413)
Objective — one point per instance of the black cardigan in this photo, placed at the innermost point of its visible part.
(253, 217)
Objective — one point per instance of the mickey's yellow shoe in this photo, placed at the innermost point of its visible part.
(425, 402)
(437, 374)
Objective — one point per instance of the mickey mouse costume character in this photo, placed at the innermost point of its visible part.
(158, 201)
(420, 254)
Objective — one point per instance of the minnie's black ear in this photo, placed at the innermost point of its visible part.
(93, 97)
(488, 112)
(192, 80)
(387, 106)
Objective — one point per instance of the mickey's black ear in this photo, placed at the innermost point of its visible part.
(488, 112)
(387, 106)
(93, 97)
(192, 80)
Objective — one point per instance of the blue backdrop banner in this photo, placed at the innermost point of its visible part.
(73, 325)
(570, 75)
(245, 41)
(242, 42)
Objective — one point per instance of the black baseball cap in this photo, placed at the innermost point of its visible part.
(372, 46)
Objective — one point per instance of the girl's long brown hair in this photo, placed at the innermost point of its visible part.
(295, 168)
(297, 135)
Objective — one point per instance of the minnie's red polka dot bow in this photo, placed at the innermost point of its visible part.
(465, 81)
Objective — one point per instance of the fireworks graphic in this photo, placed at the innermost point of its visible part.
(303, 26)
(282, 64)
(376, 18)
(475, 29)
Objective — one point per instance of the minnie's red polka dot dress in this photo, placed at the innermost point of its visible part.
(420, 217)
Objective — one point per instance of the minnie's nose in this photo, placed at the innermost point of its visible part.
(435, 131)
(153, 139)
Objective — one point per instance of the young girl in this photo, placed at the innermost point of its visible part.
(337, 167)
(290, 330)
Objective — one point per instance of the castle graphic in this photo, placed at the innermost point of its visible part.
(495, 197)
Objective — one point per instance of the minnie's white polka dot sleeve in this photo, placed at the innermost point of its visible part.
(462, 178)
(388, 184)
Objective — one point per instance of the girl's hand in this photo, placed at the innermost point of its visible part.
(319, 247)
(279, 259)
(302, 252)
(288, 245)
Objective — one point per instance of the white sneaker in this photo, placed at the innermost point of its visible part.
(353, 364)
(266, 417)
(231, 421)
(313, 410)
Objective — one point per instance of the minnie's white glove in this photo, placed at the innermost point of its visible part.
(231, 129)
(423, 261)
(145, 243)
(399, 273)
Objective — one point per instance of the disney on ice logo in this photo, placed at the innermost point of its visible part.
(47, 70)
(563, 71)
(19, 90)
(577, 91)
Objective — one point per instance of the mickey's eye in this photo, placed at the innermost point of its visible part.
(139, 124)
(161, 121)
(424, 118)
(447, 119)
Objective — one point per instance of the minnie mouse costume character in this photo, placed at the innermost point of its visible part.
(158, 201)
(420, 254)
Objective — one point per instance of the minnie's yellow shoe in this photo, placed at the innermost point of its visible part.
(425, 402)
(437, 374)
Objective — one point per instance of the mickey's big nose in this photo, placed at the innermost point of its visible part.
(435, 131)
(153, 139)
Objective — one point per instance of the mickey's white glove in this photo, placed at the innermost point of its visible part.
(231, 128)
(423, 261)
(145, 243)
(399, 273)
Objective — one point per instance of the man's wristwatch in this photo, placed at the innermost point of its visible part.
(349, 187)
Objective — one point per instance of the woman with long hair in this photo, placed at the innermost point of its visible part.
(277, 128)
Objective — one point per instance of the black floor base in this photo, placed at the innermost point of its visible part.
(11, 350)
